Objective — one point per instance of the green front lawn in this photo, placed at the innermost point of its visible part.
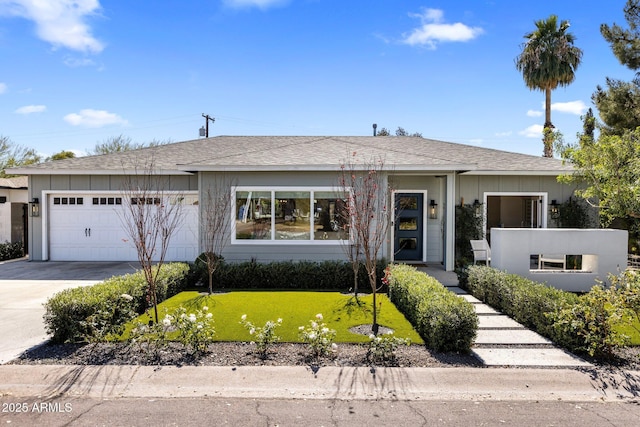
(296, 309)
(631, 328)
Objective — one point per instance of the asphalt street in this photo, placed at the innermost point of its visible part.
(69, 411)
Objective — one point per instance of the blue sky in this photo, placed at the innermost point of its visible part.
(78, 72)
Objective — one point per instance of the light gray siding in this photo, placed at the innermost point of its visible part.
(472, 187)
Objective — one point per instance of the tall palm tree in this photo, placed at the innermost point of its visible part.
(548, 60)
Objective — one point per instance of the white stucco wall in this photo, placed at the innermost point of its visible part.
(603, 252)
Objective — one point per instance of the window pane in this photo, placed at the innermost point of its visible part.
(292, 215)
(408, 203)
(408, 224)
(253, 215)
(330, 214)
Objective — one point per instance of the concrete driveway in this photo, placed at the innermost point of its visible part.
(26, 285)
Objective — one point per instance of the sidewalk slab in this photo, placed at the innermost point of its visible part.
(470, 298)
(497, 321)
(485, 309)
(344, 383)
(537, 357)
(510, 336)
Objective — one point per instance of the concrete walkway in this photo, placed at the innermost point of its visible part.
(502, 341)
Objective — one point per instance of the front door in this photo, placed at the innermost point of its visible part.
(408, 235)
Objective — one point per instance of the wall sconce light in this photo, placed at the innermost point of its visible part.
(34, 207)
(554, 209)
(433, 209)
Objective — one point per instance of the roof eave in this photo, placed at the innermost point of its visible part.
(519, 172)
(318, 168)
(36, 171)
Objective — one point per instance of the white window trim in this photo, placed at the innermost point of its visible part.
(273, 241)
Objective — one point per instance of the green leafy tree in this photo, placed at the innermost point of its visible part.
(121, 143)
(618, 103)
(399, 132)
(610, 168)
(12, 155)
(62, 155)
(625, 42)
(383, 132)
(549, 59)
(618, 106)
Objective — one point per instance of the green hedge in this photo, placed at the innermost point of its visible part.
(11, 250)
(281, 275)
(583, 324)
(92, 312)
(526, 301)
(445, 321)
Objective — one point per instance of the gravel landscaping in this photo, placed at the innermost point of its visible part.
(243, 354)
(233, 354)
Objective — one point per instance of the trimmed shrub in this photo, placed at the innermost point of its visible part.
(11, 250)
(445, 321)
(298, 275)
(582, 324)
(526, 301)
(91, 313)
(590, 325)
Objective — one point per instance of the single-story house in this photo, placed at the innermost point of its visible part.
(285, 196)
(13, 209)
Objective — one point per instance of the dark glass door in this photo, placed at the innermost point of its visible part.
(408, 244)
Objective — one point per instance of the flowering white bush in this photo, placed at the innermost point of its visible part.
(319, 337)
(195, 329)
(383, 347)
(151, 337)
(264, 336)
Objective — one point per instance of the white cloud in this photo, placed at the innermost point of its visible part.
(533, 131)
(503, 134)
(78, 62)
(476, 141)
(3, 87)
(534, 113)
(433, 30)
(94, 118)
(572, 107)
(29, 109)
(59, 22)
(260, 4)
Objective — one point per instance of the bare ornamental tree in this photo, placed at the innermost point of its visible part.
(150, 216)
(369, 216)
(216, 223)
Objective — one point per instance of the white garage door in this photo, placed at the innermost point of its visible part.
(88, 227)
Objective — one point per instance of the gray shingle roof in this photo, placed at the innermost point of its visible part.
(16, 182)
(306, 153)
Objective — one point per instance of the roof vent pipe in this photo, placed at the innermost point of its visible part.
(375, 126)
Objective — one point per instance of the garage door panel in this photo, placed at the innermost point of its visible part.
(93, 231)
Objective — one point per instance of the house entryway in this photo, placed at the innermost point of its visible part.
(409, 227)
(514, 210)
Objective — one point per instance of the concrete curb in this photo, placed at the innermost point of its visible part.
(342, 383)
